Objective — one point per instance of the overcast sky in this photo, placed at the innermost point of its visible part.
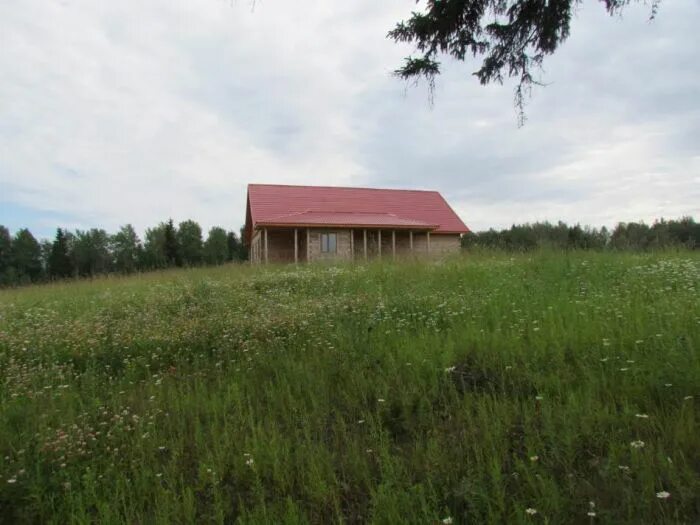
(136, 111)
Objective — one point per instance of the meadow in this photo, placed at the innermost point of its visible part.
(489, 388)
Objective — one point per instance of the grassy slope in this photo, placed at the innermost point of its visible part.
(325, 394)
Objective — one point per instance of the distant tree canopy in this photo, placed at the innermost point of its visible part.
(512, 37)
(92, 252)
(5, 253)
(189, 243)
(126, 250)
(216, 246)
(59, 262)
(682, 233)
(170, 245)
(25, 258)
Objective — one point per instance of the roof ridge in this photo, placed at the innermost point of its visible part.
(341, 187)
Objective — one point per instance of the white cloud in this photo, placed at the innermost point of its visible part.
(136, 111)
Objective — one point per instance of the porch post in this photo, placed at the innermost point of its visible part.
(428, 242)
(265, 245)
(296, 246)
(379, 243)
(352, 244)
(410, 240)
(393, 244)
(364, 238)
(308, 245)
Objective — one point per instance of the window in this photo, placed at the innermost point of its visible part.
(328, 242)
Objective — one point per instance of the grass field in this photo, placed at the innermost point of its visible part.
(545, 388)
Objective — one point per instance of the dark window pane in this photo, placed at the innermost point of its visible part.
(331, 242)
(324, 242)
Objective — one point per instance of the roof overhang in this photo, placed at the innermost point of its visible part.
(272, 224)
(316, 219)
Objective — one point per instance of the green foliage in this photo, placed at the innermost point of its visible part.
(236, 250)
(684, 232)
(5, 254)
(216, 246)
(59, 264)
(25, 257)
(472, 389)
(681, 233)
(171, 249)
(154, 255)
(126, 249)
(512, 37)
(91, 252)
(189, 243)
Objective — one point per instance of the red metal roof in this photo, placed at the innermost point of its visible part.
(272, 204)
(343, 218)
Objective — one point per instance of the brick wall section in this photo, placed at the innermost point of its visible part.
(281, 245)
(444, 244)
(342, 245)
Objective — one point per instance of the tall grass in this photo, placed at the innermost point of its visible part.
(560, 388)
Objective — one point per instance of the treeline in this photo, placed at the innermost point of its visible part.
(24, 259)
(681, 233)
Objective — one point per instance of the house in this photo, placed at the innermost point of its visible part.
(312, 223)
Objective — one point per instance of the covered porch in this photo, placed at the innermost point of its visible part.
(304, 243)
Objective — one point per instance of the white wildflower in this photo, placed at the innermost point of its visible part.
(531, 511)
(591, 509)
(637, 443)
(642, 416)
(663, 494)
(447, 520)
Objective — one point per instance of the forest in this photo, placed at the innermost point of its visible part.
(636, 236)
(87, 253)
